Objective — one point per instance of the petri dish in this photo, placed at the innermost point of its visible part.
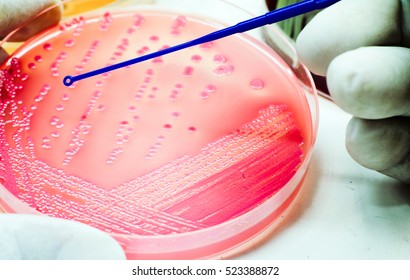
(188, 156)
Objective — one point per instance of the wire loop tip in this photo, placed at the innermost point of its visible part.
(68, 80)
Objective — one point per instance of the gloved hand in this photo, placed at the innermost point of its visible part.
(14, 14)
(362, 46)
(35, 237)
(41, 237)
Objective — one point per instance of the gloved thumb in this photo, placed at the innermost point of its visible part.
(381, 145)
(15, 13)
(372, 82)
(347, 25)
(36, 237)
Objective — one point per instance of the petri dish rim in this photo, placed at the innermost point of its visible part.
(185, 245)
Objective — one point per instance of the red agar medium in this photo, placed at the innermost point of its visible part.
(148, 150)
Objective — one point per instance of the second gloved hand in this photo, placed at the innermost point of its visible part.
(35, 237)
(363, 49)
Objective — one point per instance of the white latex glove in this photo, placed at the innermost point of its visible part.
(362, 46)
(15, 13)
(34, 237)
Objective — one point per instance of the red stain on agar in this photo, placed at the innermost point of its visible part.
(167, 126)
(157, 60)
(196, 58)
(47, 47)
(60, 107)
(188, 71)
(257, 84)
(204, 95)
(176, 114)
(38, 58)
(219, 58)
(224, 70)
(211, 88)
(69, 43)
(31, 66)
(206, 46)
(154, 38)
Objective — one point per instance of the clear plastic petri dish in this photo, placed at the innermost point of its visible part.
(191, 155)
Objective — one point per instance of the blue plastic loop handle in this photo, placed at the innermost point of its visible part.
(287, 12)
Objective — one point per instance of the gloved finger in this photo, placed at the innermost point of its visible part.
(17, 12)
(372, 82)
(347, 25)
(381, 145)
(40, 237)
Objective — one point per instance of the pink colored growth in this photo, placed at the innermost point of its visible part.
(158, 148)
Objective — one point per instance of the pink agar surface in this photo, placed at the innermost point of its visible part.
(172, 145)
